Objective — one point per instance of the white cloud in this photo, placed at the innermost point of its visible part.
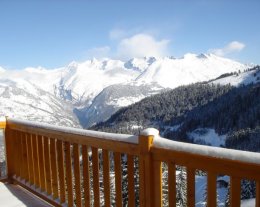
(99, 52)
(126, 44)
(232, 47)
(140, 45)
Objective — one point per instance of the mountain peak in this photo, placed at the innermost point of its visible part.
(139, 64)
(203, 56)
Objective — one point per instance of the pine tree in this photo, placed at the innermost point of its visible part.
(248, 189)
(205, 195)
(181, 187)
(124, 180)
(227, 200)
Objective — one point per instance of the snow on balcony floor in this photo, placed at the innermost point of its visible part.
(15, 196)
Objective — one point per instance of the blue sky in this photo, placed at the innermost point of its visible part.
(52, 33)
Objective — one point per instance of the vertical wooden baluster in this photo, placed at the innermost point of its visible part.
(106, 175)
(54, 168)
(141, 165)
(35, 160)
(30, 158)
(47, 165)
(157, 177)
(9, 147)
(12, 152)
(22, 157)
(41, 182)
(118, 178)
(68, 173)
(190, 187)
(77, 174)
(257, 194)
(131, 181)
(19, 155)
(16, 155)
(60, 153)
(95, 165)
(86, 176)
(25, 158)
(172, 184)
(235, 190)
(211, 189)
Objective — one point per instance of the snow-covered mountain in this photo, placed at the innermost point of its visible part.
(86, 80)
(20, 99)
(172, 72)
(85, 85)
(112, 98)
(81, 82)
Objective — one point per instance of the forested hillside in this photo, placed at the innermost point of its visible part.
(163, 108)
(232, 111)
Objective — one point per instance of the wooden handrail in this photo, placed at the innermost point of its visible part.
(69, 166)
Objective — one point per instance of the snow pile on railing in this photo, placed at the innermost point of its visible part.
(95, 134)
(238, 155)
(150, 132)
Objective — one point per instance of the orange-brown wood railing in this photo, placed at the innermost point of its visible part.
(63, 166)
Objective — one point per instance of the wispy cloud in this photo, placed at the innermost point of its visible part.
(232, 47)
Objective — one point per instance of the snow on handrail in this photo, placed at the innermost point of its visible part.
(159, 142)
(96, 134)
(223, 153)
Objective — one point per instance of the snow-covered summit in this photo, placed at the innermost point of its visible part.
(191, 68)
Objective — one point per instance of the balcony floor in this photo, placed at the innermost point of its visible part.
(15, 196)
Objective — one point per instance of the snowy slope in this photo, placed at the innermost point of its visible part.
(40, 77)
(207, 136)
(238, 79)
(86, 80)
(23, 100)
(113, 98)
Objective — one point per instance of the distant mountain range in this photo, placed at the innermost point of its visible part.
(93, 90)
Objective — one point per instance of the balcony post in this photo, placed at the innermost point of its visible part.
(2, 127)
(145, 166)
(9, 149)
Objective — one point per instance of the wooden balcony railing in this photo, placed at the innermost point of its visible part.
(66, 166)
